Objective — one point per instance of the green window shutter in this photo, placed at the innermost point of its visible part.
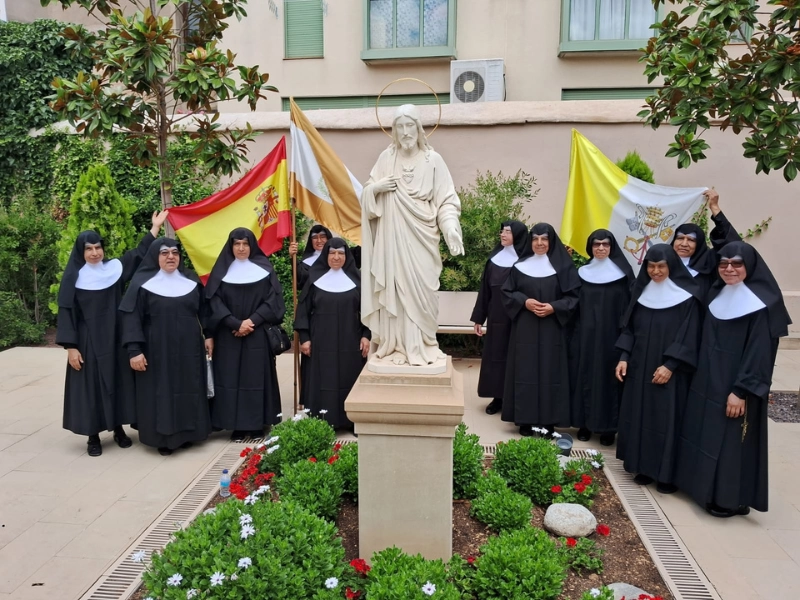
(330, 102)
(303, 29)
(639, 93)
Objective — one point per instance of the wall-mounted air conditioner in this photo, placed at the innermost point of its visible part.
(477, 80)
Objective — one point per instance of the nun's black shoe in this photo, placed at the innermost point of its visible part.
(238, 436)
(93, 446)
(526, 430)
(726, 513)
(121, 438)
(164, 451)
(607, 439)
(186, 445)
(643, 479)
(584, 434)
(256, 434)
(666, 488)
(495, 406)
(216, 429)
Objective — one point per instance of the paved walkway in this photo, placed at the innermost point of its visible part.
(65, 517)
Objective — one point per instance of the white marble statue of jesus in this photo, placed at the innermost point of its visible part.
(407, 201)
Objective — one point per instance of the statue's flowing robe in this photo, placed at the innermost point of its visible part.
(401, 263)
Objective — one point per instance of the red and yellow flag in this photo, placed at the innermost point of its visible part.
(259, 201)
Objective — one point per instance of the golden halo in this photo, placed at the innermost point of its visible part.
(435, 95)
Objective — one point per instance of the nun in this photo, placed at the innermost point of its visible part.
(162, 332)
(605, 294)
(489, 309)
(98, 391)
(318, 236)
(332, 337)
(245, 298)
(540, 296)
(690, 244)
(659, 345)
(723, 444)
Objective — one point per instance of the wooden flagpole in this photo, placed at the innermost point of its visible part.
(296, 339)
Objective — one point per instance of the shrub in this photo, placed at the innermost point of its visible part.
(298, 440)
(523, 564)
(634, 165)
(291, 552)
(530, 466)
(498, 506)
(15, 323)
(398, 576)
(314, 484)
(347, 466)
(583, 555)
(467, 462)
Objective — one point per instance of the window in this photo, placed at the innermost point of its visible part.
(314, 103)
(597, 25)
(303, 29)
(409, 29)
(638, 93)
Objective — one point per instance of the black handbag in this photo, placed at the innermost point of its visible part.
(278, 340)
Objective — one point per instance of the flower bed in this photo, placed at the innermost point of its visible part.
(290, 530)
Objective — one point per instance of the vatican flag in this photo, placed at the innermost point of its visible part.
(322, 187)
(600, 195)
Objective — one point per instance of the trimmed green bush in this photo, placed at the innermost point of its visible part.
(15, 324)
(347, 466)
(634, 165)
(498, 506)
(298, 440)
(398, 576)
(314, 484)
(530, 466)
(467, 462)
(523, 564)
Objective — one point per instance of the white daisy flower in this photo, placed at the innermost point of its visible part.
(245, 562)
(279, 415)
(306, 410)
(263, 489)
(298, 416)
(191, 594)
(245, 519)
(234, 577)
(429, 589)
(556, 435)
(271, 450)
(594, 593)
(251, 499)
(217, 578)
(210, 511)
(331, 583)
(591, 452)
(138, 556)
(272, 440)
(247, 531)
(323, 411)
(175, 580)
(595, 464)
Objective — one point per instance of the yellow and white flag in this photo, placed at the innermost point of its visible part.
(323, 188)
(600, 195)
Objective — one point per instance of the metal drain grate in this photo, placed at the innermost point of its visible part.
(124, 576)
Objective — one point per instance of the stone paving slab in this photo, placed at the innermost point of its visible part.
(65, 516)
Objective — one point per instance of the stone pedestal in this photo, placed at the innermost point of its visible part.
(405, 425)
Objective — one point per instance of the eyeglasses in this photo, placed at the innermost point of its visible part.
(174, 252)
(319, 236)
(601, 244)
(736, 264)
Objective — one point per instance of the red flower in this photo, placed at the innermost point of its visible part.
(254, 460)
(571, 542)
(579, 487)
(333, 459)
(337, 447)
(556, 489)
(249, 472)
(350, 594)
(312, 459)
(360, 565)
(263, 478)
(245, 452)
(586, 479)
(470, 560)
(603, 529)
(239, 491)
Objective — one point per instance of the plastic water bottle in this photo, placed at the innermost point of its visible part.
(225, 484)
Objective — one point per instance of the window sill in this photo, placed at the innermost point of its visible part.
(431, 53)
(617, 47)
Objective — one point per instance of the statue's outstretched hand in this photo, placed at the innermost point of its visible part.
(454, 243)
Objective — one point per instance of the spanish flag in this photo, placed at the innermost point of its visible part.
(322, 187)
(258, 201)
(600, 195)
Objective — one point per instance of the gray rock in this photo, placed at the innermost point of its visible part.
(569, 520)
(625, 590)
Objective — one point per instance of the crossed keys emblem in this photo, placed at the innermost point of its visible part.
(651, 224)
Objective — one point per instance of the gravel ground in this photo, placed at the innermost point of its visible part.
(783, 408)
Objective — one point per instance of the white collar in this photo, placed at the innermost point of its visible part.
(336, 281)
(685, 261)
(313, 258)
(735, 301)
(506, 257)
(663, 295)
(244, 271)
(169, 285)
(100, 276)
(601, 270)
(537, 265)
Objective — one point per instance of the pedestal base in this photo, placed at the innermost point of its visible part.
(405, 424)
(387, 367)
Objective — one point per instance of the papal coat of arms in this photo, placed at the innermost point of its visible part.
(266, 207)
(652, 225)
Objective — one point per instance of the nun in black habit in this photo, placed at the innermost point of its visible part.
(722, 460)
(690, 244)
(318, 236)
(605, 294)
(489, 309)
(98, 391)
(328, 323)
(540, 296)
(660, 335)
(245, 298)
(162, 332)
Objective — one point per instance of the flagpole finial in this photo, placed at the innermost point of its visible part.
(435, 95)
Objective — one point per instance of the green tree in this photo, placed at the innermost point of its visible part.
(755, 91)
(157, 69)
(635, 166)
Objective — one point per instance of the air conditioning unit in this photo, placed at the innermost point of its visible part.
(477, 81)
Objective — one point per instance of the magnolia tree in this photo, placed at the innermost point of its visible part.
(157, 68)
(752, 88)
